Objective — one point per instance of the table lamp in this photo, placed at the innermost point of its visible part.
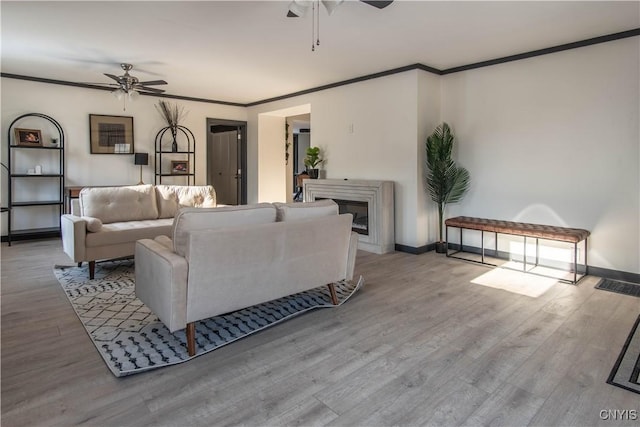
(141, 159)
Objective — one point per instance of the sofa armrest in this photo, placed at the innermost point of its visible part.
(74, 232)
(353, 251)
(165, 241)
(161, 282)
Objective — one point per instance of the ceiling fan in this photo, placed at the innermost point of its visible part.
(130, 86)
(298, 8)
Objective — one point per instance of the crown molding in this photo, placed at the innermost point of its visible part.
(546, 51)
(90, 86)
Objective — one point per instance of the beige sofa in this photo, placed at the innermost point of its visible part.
(225, 259)
(106, 221)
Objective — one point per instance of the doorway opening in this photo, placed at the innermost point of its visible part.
(301, 131)
(275, 160)
(227, 160)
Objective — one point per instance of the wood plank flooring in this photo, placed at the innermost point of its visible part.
(418, 345)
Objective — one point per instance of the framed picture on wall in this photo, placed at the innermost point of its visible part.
(110, 134)
(179, 166)
(28, 137)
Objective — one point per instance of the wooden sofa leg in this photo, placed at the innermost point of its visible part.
(92, 269)
(80, 264)
(332, 290)
(191, 338)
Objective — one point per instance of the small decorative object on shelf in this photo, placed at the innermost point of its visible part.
(28, 137)
(172, 114)
(179, 167)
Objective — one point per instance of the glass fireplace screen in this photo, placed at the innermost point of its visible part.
(359, 210)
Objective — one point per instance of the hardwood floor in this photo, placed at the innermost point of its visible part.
(418, 345)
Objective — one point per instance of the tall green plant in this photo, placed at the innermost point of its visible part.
(447, 183)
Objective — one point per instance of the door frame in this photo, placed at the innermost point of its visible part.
(242, 155)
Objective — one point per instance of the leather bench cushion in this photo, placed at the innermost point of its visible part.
(308, 210)
(188, 220)
(117, 204)
(170, 198)
(129, 231)
(551, 232)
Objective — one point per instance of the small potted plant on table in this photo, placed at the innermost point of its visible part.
(312, 160)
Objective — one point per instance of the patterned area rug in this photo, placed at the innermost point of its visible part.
(131, 339)
(626, 371)
(619, 287)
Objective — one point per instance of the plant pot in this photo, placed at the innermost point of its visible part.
(441, 247)
(313, 173)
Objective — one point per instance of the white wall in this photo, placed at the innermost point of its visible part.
(555, 139)
(552, 139)
(428, 105)
(384, 143)
(71, 107)
(271, 174)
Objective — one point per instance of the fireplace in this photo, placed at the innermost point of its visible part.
(371, 204)
(359, 210)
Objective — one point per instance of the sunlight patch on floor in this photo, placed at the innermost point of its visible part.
(516, 282)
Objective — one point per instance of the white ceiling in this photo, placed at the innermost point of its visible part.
(246, 51)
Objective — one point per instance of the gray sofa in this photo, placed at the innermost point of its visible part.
(106, 221)
(225, 259)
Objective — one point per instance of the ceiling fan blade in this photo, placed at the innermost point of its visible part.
(149, 89)
(100, 84)
(378, 4)
(153, 82)
(111, 76)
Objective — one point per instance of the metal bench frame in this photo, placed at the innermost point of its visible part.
(574, 269)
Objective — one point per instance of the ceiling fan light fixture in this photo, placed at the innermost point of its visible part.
(132, 95)
(331, 5)
(298, 8)
(118, 93)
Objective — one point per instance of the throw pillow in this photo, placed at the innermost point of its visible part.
(93, 224)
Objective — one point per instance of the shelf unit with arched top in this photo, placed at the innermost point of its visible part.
(35, 188)
(175, 155)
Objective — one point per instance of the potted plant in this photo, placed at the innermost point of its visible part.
(446, 182)
(312, 160)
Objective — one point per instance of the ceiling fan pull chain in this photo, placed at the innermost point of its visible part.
(318, 24)
(313, 28)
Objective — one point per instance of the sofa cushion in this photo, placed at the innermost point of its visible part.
(116, 204)
(128, 231)
(309, 210)
(170, 198)
(194, 219)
